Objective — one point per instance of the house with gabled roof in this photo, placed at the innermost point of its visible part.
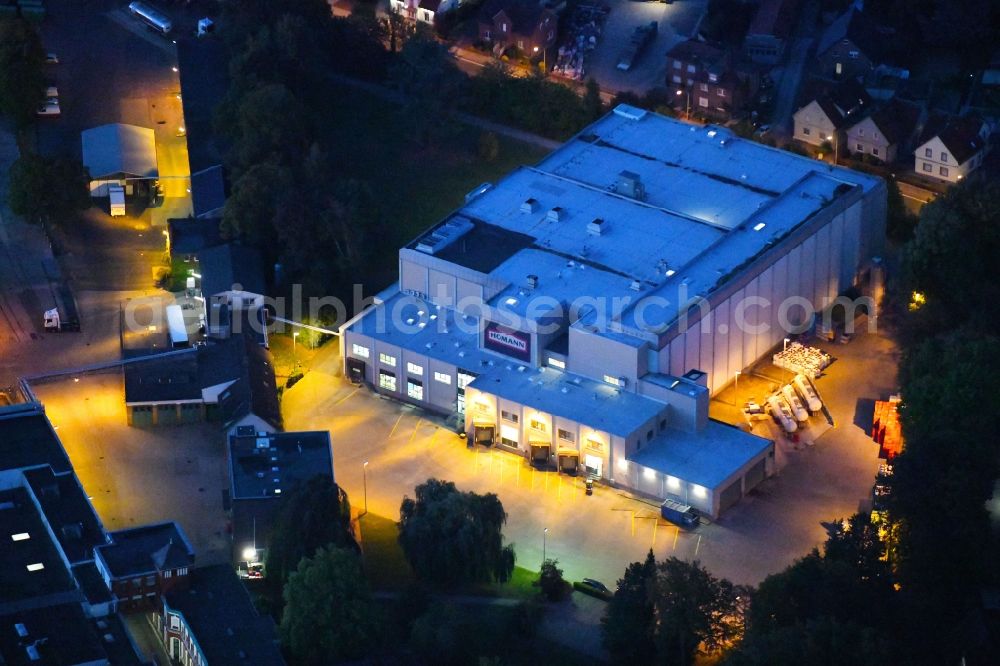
(887, 133)
(851, 47)
(825, 116)
(950, 147)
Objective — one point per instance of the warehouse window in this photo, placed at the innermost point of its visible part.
(415, 389)
(566, 435)
(442, 377)
(414, 369)
(361, 351)
(387, 359)
(386, 380)
(538, 425)
(556, 363)
(464, 380)
(509, 416)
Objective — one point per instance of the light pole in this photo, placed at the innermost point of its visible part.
(545, 534)
(295, 360)
(687, 106)
(364, 472)
(736, 389)
(785, 345)
(545, 69)
(833, 138)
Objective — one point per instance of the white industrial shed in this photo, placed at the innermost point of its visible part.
(592, 303)
(116, 152)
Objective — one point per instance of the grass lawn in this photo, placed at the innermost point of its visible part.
(385, 563)
(416, 186)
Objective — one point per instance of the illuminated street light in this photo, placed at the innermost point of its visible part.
(786, 341)
(835, 149)
(249, 554)
(174, 68)
(687, 106)
(545, 534)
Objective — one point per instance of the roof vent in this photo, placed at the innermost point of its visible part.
(529, 206)
(532, 281)
(555, 214)
(635, 286)
(597, 227)
(630, 185)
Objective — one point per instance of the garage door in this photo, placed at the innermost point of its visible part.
(755, 475)
(730, 496)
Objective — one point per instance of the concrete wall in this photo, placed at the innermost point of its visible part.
(594, 356)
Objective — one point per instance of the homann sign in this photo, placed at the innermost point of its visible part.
(507, 341)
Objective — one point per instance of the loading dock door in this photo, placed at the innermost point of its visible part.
(569, 460)
(755, 475)
(356, 370)
(731, 495)
(483, 433)
(540, 453)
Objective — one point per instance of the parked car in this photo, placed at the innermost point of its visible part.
(51, 91)
(596, 585)
(48, 109)
(51, 59)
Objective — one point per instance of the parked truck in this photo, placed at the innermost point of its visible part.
(679, 513)
(641, 38)
(63, 317)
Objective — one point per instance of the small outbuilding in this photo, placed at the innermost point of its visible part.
(118, 154)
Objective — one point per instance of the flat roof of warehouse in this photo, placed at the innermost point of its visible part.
(707, 458)
(599, 405)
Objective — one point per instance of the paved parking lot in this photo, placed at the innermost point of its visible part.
(598, 536)
(676, 22)
(136, 476)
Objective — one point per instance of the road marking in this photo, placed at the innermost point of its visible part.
(356, 389)
(391, 432)
(414, 433)
(697, 546)
(677, 533)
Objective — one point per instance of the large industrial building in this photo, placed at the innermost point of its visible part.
(585, 309)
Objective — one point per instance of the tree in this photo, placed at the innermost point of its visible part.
(691, 607)
(452, 537)
(628, 625)
(314, 514)
(47, 190)
(817, 642)
(270, 125)
(441, 635)
(900, 223)
(329, 613)
(22, 83)
(257, 196)
(427, 76)
(551, 581)
(593, 105)
(957, 242)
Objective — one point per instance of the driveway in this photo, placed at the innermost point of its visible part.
(598, 536)
(676, 22)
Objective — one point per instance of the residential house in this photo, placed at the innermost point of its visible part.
(262, 467)
(525, 25)
(885, 134)
(705, 77)
(851, 47)
(829, 112)
(424, 11)
(213, 621)
(950, 147)
(142, 564)
(769, 31)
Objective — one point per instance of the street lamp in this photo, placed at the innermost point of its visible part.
(687, 106)
(364, 472)
(545, 534)
(785, 346)
(545, 69)
(833, 138)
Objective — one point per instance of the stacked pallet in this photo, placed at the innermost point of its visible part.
(886, 430)
(802, 360)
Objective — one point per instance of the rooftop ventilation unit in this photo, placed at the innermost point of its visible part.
(555, 214)
(444, 235)
(597, 227)
(532, 281)
(529, 206)
(630, 185)
(635, 286)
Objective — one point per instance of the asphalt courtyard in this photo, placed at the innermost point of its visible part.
(137, 476)
(597, 536)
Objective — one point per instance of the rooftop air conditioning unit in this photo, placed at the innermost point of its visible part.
(555, 214)
(635, 286)
(529, 206)
(532, 281)
(630, 185)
